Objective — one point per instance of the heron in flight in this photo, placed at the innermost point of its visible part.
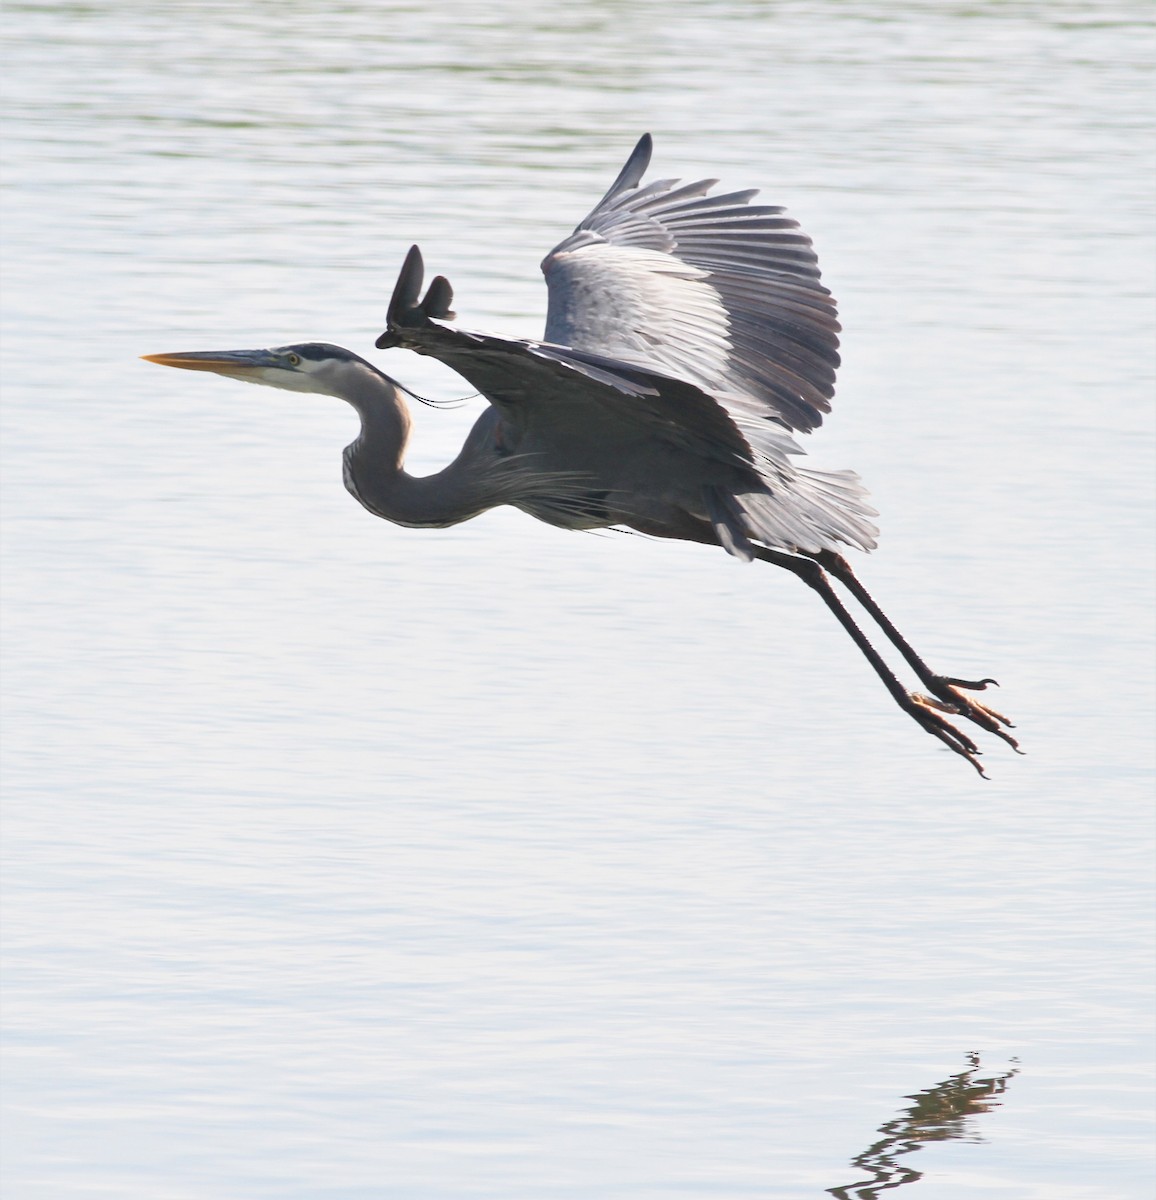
(687, 336)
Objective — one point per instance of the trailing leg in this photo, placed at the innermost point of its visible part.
(922, 709)
(947, 693)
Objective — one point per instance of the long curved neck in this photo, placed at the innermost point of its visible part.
(374, 471)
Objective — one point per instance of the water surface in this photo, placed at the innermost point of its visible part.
(348, 861)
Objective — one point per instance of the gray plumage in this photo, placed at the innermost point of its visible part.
(687, 338)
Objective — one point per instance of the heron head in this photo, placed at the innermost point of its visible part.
(307, 367)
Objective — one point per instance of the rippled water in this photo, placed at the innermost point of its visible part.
(345, 860)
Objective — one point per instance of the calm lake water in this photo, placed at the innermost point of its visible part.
(343, 860)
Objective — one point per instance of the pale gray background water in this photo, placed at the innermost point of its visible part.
(349, 861)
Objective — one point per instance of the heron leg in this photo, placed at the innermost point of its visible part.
(923, 709)
(947, 693)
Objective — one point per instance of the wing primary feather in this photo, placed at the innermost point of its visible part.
(438, 299)
(403, 304)
(633, 171)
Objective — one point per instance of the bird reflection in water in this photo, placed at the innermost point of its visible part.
(938, 1114)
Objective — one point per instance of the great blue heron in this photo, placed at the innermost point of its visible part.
(687, 335)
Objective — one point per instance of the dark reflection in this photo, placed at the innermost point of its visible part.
(939, 1114)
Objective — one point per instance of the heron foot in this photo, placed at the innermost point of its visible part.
(949, 695)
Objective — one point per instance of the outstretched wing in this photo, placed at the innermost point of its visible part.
(710, 289)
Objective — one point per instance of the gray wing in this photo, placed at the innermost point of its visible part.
(710, 289)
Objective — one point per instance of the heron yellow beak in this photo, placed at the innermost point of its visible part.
(239, 363)
(195, 362)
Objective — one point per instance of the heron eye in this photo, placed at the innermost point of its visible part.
(294, 360)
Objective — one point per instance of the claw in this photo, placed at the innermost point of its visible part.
(925, 710)
(950, 699)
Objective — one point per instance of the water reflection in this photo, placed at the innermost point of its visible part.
(939, 1114)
